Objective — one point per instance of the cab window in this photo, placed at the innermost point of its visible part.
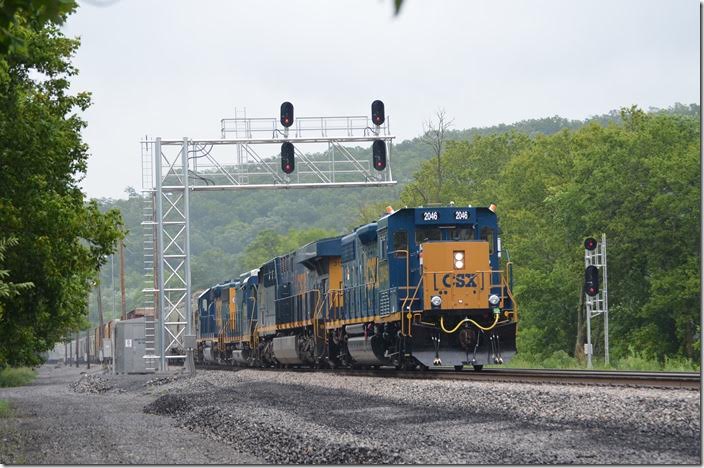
(487, 234)
(461, 234)
(424, 234)
(382, 245)
(400, 243)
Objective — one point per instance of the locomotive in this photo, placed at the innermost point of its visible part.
(421, 288)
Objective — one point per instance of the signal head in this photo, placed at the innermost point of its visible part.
(591, 280)
(378, 116)
(286, 114)
(590, 243)
(379, 155)
(288, 162)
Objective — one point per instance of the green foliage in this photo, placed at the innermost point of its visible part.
(630, 174)
(16, 376)
(5, 411)
(61, 240)
(8, 290)
(16, 13)
(268, 244)
(557, 360)
(633, 361)
(637, 179)
(680, 364)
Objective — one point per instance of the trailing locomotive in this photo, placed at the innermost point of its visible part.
(421, 287)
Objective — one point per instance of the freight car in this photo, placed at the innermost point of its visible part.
(89, 349)
(421, 287)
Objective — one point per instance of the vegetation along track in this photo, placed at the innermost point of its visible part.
(685, 380)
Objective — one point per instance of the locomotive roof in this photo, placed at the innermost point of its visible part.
(328, 247)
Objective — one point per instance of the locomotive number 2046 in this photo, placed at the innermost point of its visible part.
(430, 216)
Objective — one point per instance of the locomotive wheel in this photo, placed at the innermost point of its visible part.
(478, 367)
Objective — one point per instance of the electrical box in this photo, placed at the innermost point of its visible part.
(130, 347)
(189, 341)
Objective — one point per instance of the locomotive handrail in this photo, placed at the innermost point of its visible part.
(314, 318)
(442, 324)
(301, 294)
(254, 338)
(408, 273)
(340, 293)
(509, 292)
(410, 319)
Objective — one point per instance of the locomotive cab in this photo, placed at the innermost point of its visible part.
(455, 301)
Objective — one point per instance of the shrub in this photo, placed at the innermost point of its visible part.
(16, 376)
(4, 408)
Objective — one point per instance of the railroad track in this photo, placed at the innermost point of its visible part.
(684, 380)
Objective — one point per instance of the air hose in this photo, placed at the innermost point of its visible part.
(442, 324)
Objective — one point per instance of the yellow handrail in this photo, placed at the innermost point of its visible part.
(442, 324)
(415, 293)
(510, 293)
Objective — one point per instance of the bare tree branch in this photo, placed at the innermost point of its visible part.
(434, 134)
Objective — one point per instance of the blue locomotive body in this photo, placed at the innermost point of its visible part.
(419, 287)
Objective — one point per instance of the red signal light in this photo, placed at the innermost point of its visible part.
(378, 116)
(288, 163)
(286, 114)
(379, 155)
(591, 280)
(590, 243)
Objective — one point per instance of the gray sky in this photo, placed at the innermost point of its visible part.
(174, 68)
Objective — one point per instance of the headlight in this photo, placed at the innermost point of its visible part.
(459, 264)
(459, 255)
(494, 300)
(436, 301)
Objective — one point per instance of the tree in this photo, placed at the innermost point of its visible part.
(472, 171)
(638, 182)
(62, 240)
(635, 178)
(434, 136)
(9, 290)
(14, 13)
(370, 213)
(269, 244)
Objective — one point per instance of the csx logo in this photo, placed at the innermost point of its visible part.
(459, 280)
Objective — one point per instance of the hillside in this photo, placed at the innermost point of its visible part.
(223, 224)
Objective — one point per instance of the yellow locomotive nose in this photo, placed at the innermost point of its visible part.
(456, 275)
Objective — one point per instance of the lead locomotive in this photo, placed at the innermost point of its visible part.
(420, 287)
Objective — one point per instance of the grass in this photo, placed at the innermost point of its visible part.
(4, 408)
(16, 376)
(634, 361)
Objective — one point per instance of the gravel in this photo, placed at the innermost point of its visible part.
(254, 416)
(68, 418)
(289, 417)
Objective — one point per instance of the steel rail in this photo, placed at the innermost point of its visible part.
(678, 380)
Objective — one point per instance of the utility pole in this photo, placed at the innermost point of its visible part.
(88, 348)
(122, 280)
(78, 338)
(100, 319)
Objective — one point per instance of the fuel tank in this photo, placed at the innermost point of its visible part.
(286, 350)
(365, 349)
(241, 356)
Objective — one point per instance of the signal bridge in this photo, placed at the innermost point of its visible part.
(252, 153)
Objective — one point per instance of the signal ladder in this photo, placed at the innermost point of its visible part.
(150, 280)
